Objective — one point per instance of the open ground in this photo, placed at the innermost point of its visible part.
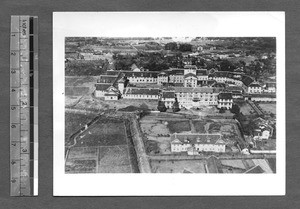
(157, 129)
(104, 147)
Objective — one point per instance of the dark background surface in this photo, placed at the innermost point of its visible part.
(44, 9)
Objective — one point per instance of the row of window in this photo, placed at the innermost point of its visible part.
(140, 96)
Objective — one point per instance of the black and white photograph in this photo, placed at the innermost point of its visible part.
(170, 105)
(157, 98)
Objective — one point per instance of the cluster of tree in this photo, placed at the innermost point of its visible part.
(84, 68)
(150, 61)
(173, 46)
(162, 107)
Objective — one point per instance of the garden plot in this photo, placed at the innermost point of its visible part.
(233, 163)
(158, 133)
(178, 166)
(83, 152)
(268, 108)
(114, 159)
(263, 164)
(81, 166)
(75, 121)
(102, 148)
(179, 126)
(199, 126)
(103, 133)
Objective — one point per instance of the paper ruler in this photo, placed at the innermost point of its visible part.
(24, 106)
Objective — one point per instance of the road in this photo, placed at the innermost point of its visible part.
(143, 160)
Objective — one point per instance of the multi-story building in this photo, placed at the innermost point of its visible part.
(190, 80)
(141, 77)
(176, 75)
(270, 87)
(168, 97)
(225, 100)
(202, 77)
(255, 88)
(162, 78)
(195, 143)
(141, 93)
(263, 130)
(231, 78)
(194, 97)
(110, 86)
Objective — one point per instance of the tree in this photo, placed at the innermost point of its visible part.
(226, 65)
(235, 109)
(161, 106)
(185, 47)
(171, 46)
(222, 110)
(175, 106)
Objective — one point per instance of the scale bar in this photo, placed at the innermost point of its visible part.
(24, 106)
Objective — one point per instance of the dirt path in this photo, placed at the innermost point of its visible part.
(193, 129)
(143, 161)
(206, 127)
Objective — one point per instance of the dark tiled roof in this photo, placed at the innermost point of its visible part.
(190, 75)
(201, 72)
(141, 74)
(254, 85)
(102, 86)
(168, 94)
(235, 89)
(196, 90)
(225, 95)
(107, 78)
(111, 94)
(143, 91)
(247, 80)
(181, 138)
(177, 72)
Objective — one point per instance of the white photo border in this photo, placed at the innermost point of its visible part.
(165, 24)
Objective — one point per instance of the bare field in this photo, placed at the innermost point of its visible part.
(103, 134)
(76, 90)
(234, 164)
(114, 159)
(75, 121)
(179, 126)
(80, 85)
(178, 166)
(90, 102)
(199, 126)
(83, 152)
(80, 166)
(103, 148)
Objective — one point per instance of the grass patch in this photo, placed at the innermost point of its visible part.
(76, 90)
(104, 133)
(179, 126)
(199, 126)
(80, 166)
(74, 121)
